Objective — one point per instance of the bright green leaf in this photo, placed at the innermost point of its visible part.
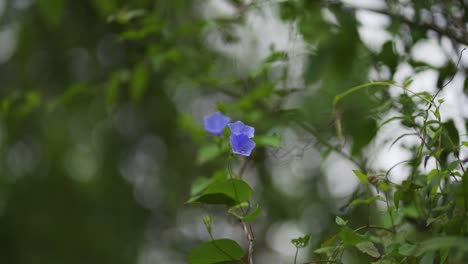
(268, 141)
(361, 176)
(252, 215)
(340, 221)
(368, 200)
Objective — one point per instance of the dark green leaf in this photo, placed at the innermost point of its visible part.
(301, 242)
(452, 132)
(139, 82)
(216, 251)
(349, 237)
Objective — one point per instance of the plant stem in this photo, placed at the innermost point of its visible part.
(295, 256)
(250, 238)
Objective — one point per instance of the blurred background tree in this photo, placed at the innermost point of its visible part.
(102, 102)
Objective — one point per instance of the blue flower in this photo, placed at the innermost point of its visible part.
(241, 144)
(238, 128)
(216, 123)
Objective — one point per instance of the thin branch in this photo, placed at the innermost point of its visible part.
(325, 143)
(250, 239)
(245, 226)
(295, 255)
(463, 39)
(320, 261)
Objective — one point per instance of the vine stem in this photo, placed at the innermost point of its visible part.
(328, 145)
(250, 238)
(246, 227)
(295, 255)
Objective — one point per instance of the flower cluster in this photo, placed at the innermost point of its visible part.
(241, 134)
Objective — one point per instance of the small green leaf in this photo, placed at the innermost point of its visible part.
(252, 215)
(368, 200)
(216, 251)
(277, 56)
(301, 242)
(208, 152)
(244, 212)
(139, 82)
(207, 221)
(325, 250)
(268, 141)
(407, 82)
(339, 221)
(368, 248)
(361, 176)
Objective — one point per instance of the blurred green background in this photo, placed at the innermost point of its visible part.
(101, 106)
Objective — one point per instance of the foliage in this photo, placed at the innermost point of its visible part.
(104, 149)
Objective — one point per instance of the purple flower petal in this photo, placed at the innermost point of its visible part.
(238, 128)
(216, 123)
(241, 144)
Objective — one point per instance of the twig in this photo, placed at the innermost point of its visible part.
(320, 261)
(330, 146)
(250, 238)
(463, 39)
(295, 255)
(246, 226)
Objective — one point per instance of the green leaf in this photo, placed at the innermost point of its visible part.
(208, 153)
(452, 132)
(340, 221)
(368, 200)
(368, 248)
(240, 211)
(277, 56)
(216, 251)
(437, 243)
(51, 11)
(139, 82)
(252, 215)
(301, 242)
(397, 197)
(325, 250)
(407, 82)
(268, 141)
(199, 184)
(361, 176)
(349, 237)
(465, 189)
(228, 192)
